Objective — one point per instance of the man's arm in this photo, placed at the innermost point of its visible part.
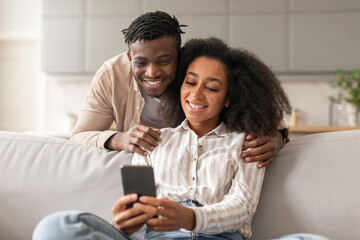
(263, 149)
(97, 115)
(92, 129)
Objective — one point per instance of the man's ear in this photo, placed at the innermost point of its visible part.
(227, 102)
(129, 55)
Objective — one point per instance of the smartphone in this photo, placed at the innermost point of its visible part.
(138, 179)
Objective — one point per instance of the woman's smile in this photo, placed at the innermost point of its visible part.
(195, 106)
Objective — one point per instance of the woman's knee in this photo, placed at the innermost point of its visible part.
(58, 226)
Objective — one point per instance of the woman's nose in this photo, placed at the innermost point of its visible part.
(152, 71)
(197, 91)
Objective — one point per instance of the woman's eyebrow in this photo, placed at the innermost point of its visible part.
(192, 74)
(211, 79)
(214, 79)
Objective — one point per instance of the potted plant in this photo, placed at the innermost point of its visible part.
(348, 85)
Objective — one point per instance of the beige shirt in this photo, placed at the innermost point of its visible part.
(209, 170)
(102, 106)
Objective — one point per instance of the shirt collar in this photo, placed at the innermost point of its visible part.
(220, 131)
(145, 95)
(135, 84)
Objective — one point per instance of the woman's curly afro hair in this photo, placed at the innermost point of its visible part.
(258, 103)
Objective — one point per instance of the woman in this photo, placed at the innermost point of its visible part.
(204, 189)
(225, 94)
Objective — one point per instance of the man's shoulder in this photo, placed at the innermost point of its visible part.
(117, 68)
(120, 61)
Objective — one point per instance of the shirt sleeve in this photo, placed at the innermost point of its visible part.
(140, 160)
(96, 115)
(237, 207)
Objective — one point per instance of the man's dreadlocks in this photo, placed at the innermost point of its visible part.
(153, 25)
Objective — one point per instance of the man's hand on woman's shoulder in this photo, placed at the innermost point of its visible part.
(262, 149)
(137, 139)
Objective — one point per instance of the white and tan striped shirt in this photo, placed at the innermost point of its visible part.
(209, 170)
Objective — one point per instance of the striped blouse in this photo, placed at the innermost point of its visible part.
(207, 169)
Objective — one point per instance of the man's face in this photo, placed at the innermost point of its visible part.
(154, 63)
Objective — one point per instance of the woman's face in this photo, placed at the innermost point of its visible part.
(203, 93)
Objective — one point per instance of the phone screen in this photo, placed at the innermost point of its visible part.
(138, 179)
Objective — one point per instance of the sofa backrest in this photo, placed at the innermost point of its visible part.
(312, 186)
(40, 175)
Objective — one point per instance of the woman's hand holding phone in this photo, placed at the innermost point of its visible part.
(130, 213)
(172, 215)
(128, 220)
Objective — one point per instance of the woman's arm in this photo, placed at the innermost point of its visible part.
(237, 207)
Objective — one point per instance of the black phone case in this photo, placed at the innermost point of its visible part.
(138, 179)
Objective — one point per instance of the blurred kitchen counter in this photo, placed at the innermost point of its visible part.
(299, 130)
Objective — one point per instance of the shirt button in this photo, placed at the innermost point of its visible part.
(194, 159)
(138, 107)
(193, 178)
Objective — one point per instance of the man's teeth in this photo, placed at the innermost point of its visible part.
(193, 106)
(154, 83)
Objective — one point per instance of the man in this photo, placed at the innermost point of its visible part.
(127, 90)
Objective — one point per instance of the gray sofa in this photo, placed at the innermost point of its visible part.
(311, 187)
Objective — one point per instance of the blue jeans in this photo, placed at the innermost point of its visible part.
(78, 225)
(66, 225)
(179, 234)
(302, 236)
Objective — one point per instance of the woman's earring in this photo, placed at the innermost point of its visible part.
(227, 103)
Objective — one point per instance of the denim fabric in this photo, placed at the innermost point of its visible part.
(302, 236)
(183, 234)
(77, 225)
(179, 235)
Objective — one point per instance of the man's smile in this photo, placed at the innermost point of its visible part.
(152, 83)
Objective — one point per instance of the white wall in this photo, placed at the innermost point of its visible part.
(302, 40)
(19, 64)
(289, 35)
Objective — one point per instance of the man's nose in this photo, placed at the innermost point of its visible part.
(152, 71)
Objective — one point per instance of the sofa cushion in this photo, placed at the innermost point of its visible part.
(40, 175)
(312, 186)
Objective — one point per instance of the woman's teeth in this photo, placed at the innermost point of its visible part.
(194, 106)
